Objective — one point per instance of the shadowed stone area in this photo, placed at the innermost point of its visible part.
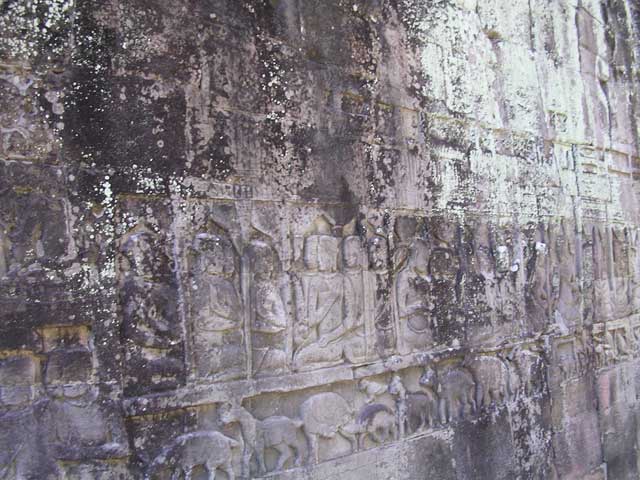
(319, 239)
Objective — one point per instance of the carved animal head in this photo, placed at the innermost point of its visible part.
(363, 384)
(227, 413)
(429, 378)
(396, 387)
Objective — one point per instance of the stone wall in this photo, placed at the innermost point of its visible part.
(319, 239)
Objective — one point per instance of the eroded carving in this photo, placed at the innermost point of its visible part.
(413, 291)
(566, 303)
(324, 415)
(377, 423)
(492, 379)
(79, 425)
(379, 286)
(603, 302)
(208, 449)
(416, 410)
(278, 432)
(537, 284)
(267, 310)
(150, 325)
(320, 306)
(217, 312)
(456, 390)
(528, 365)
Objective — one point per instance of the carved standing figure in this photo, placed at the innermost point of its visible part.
(353, 327)
(379, 287)
(217, 314)
(567, 300)
(603, 302)
(620, 247)
(537, 286)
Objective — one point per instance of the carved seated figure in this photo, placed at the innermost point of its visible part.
(320, 294)
(269, 317)
(217, 314)
(412, 290)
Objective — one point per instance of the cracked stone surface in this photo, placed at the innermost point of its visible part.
(319, 239)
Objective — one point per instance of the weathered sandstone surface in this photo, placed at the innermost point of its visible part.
(319, 239)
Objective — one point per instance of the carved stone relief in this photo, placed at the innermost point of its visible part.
(538, 284)
(80, 424)
(324, 415)
(456, 390)
(565, 283)
(267, 310)
(151, 328)
(379, 293)
(602, 287)
(293, 240)
(207, 449)
(276, 432)
(217, 317)
(413, 294)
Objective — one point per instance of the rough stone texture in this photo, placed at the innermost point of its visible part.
(319, 239)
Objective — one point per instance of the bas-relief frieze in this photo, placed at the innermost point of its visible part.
(233, 299)
(316, 426)
(327, 304)
(182, 300)
(309, 302)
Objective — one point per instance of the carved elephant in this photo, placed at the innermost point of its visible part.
(377, 422)
(455, 387)
(324, 415)
(493, 385)
(417, 410)
(212, 450)
(528, 366)
(279, 433)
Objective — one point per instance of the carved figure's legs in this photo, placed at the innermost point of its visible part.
(228, 468)
(317, 356)
(297, 455)
(480, 394)
(314, 453)
(284, 452)
(260, 454)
